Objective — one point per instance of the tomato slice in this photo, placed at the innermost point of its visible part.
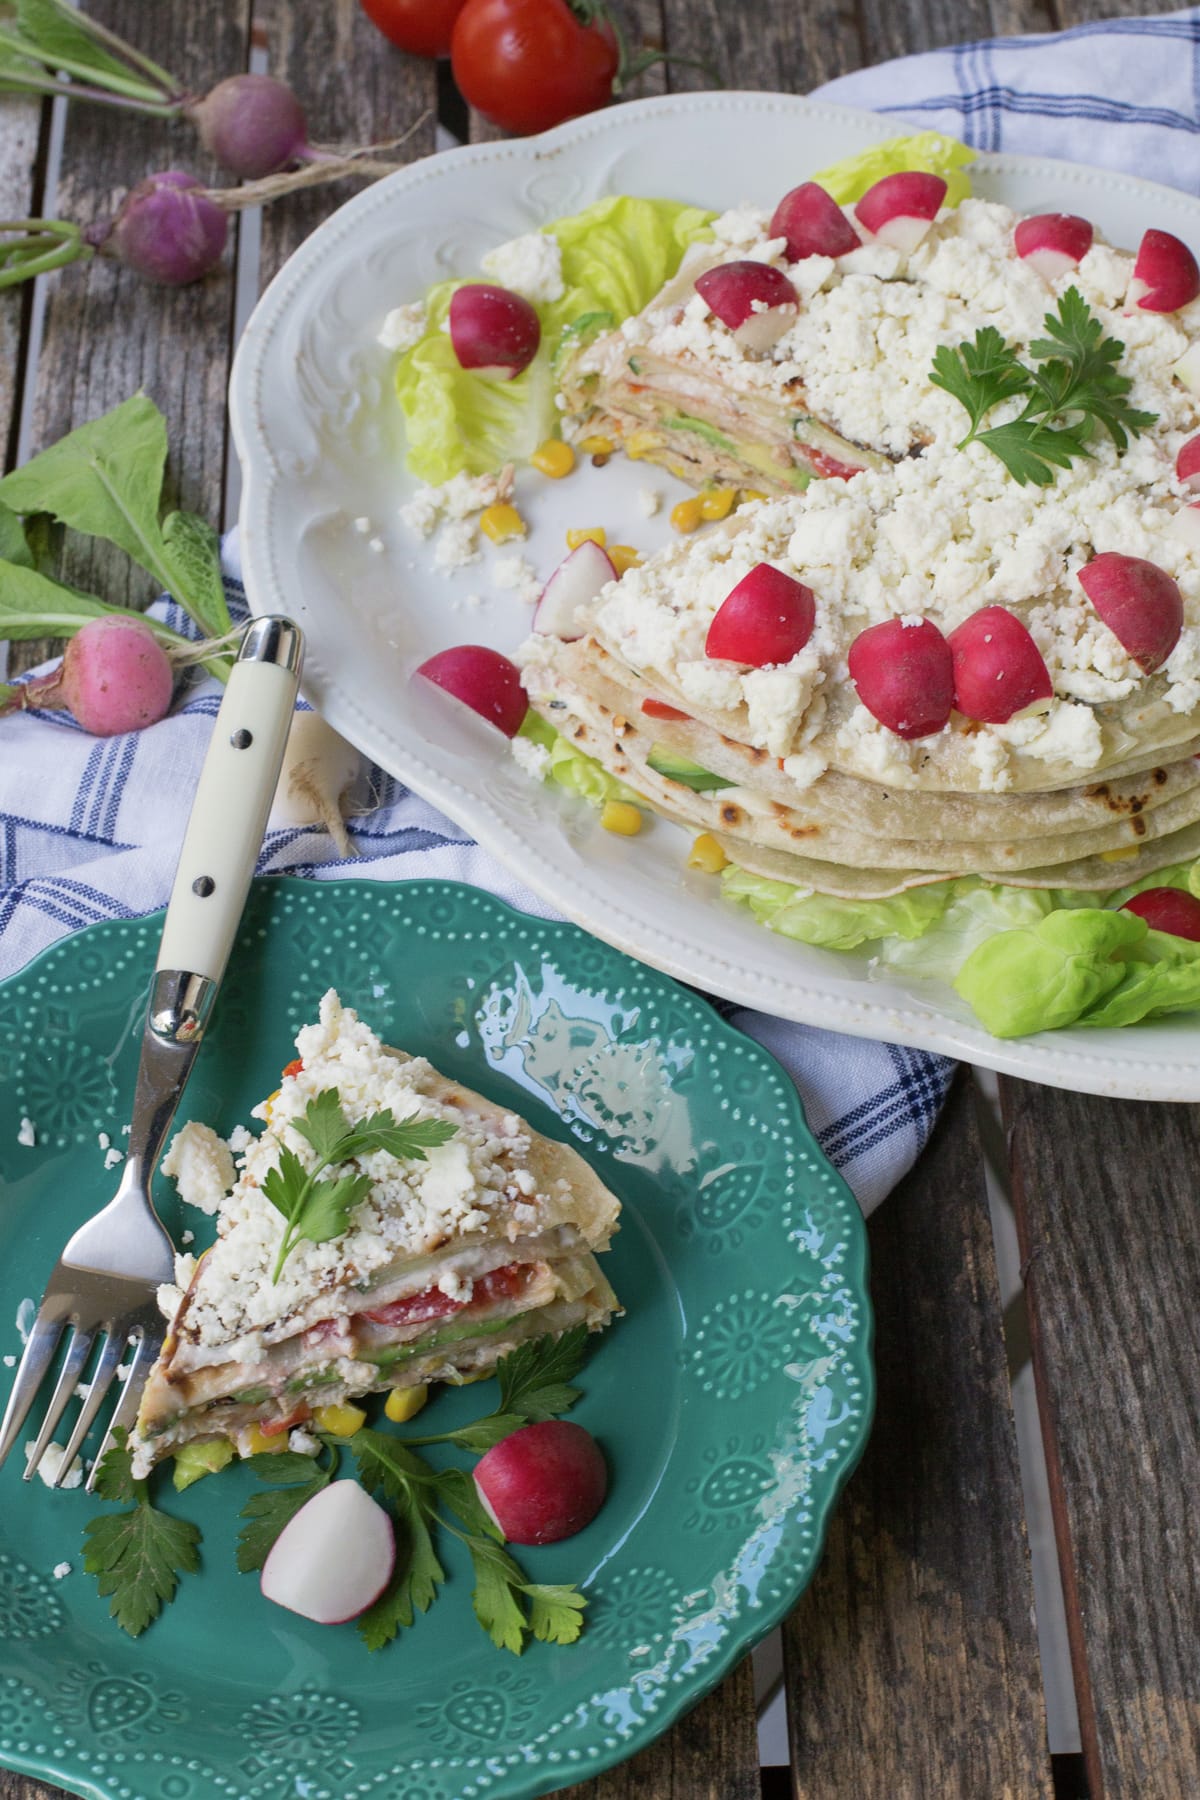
(274, 1427)
(415, 1309)
(829, 466)
(659, 709)
(294, 1067)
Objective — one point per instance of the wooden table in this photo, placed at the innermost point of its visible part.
(911, 1665)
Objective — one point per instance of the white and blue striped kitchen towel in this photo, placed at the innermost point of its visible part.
(90, 828)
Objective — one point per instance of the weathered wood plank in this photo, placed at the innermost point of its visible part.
(904, 27)
(107, 331)
(1084, 12)
(911, 1663)
(1105, 1193)
(712, 1754)
(787, 49)
(355, 88)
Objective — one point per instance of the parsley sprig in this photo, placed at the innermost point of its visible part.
(318, 1210)
(139, 1555)
(535, 1383)
(1073, 389)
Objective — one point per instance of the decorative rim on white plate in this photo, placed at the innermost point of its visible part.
(319, 438)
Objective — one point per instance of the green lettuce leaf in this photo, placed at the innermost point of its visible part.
(977, 910)
(831, 923)
(1042, 976)
(850, 178)
(573, 769)
(616, 254)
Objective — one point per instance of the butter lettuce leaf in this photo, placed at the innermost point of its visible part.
(570, 768)
(616, 254)
(1041, 976)
(933, 151)
(835, 924)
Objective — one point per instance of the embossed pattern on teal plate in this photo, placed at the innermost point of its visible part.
(732, 1400)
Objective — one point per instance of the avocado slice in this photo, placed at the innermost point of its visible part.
(668, 762)
(685, 422)
(451, 1334)
(197, 1459)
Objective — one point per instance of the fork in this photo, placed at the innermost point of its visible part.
(106, 1280)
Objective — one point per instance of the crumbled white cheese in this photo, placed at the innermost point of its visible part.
(456, 1286)
(403, 327)
(61, 1571)
(649, 501)
(201, 1164)
(518, 574)
(303, 1443)
(376, 546)
(533, 758)
(362, 525)
(530, 265)
(457, 546)
(112, 1157)
(26, 1134)
(187, 1237)
(10, 1362)
(103, 1140)
(52, 1461)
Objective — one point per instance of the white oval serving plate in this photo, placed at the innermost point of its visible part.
(321, 443)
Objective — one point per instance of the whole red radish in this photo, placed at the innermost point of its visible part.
(998, 669)
(904, 674)
(492, 330)
(529, 64)
(1139, 602)
(1053, 243)
(754, 299)
(1167, 909)
(900, 208)
(166, 228)
(1165, 275)
(813, 224)
(483, 680)
(114, 677)
(767, 618)
(543, 1483)
(333, 1557)
(253, 124)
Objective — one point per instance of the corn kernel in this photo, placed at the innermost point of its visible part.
(253, 1441)
(1118, 855)
(404, 1403)
(621, 817)
(641, 443)
(597, 446)
(501, 522)
(595, 533)
(624, 556)
(750, 494)
(686, 515)
(554, 458)
(707, 854)
(716, 503)
(342, 1421)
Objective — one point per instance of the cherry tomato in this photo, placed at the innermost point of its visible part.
(529, 64)
(422, 26)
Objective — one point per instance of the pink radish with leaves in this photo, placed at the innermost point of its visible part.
(114, 677)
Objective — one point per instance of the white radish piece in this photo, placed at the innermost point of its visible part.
(755, 300)
(813, 224)
(767, 618)
(493, 332)
(544, 1482)
(333, 1558)
(998, 669)
(577, 580)
(1185, 525)
(904, 674)
(1139, 602)
(319, 769)
(1165, 275)
(1187, 369)
(1187, 463)
(483, 680)
(1053, 243)
(899, 209)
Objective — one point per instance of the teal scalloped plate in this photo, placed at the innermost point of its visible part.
(733, 1398)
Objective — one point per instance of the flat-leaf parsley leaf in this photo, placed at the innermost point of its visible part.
(139, 1555)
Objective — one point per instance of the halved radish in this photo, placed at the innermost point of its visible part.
(1187, 463)
(1165, 275)
(767, 618)
(493, 331)
(1139, 602)
(1187, 369)
(1185, 524)
(1167, 909)
(545, 1482)
(900, 208)
(904, 675)
(755, 300)
(1053, 243)
(483, 680)
(333, 1558)
(660, 709)
(998, 669)
(813, 224)
(577, 580)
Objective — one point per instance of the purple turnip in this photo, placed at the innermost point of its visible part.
(167, 228)
(253, 125)
(114, 677)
